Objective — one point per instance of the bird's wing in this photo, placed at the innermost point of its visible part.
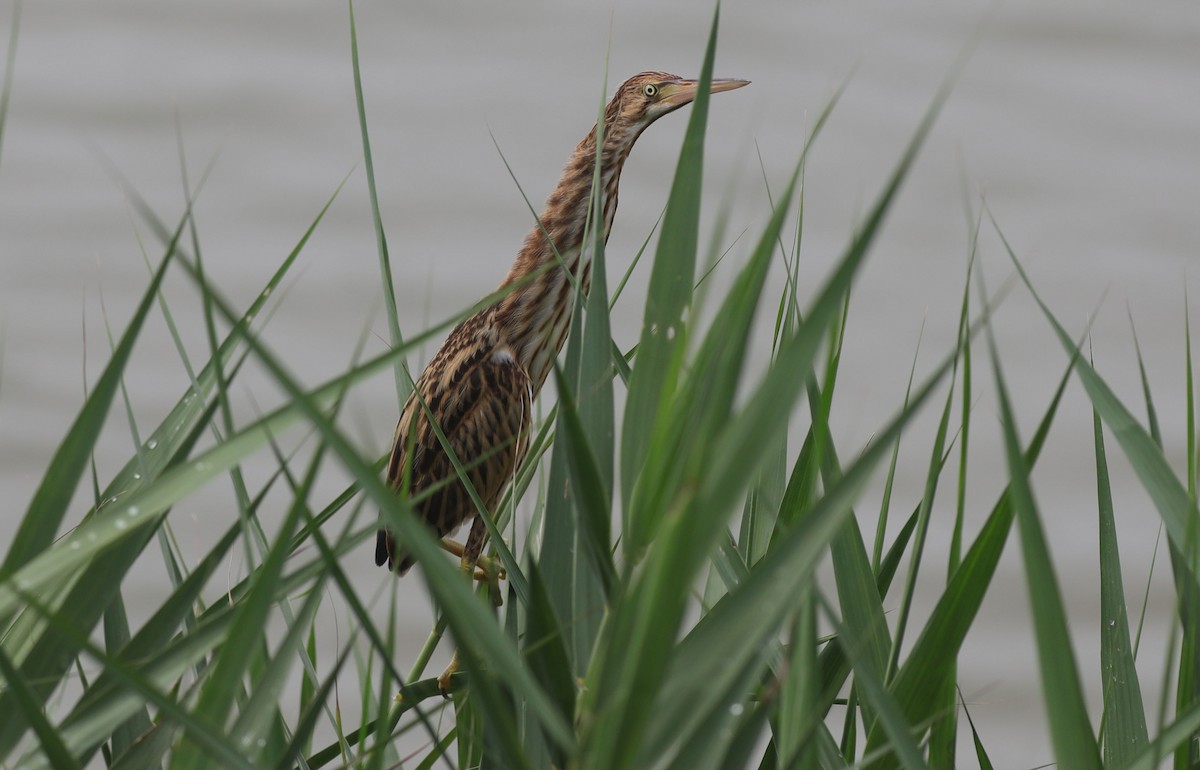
(483, 408)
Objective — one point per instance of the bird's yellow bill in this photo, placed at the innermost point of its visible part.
(682, 92)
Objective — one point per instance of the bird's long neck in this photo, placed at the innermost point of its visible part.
(535, 317)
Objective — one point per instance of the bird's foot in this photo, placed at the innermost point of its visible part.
(485, 567)
(485, 570)
(443, 679)
(489, 570)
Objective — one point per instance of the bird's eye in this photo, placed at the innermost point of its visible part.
(649, 89)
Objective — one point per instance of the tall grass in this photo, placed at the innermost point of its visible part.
(688, 637)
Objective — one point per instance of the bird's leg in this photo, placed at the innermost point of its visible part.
(484, 566)
(473, 555)
(469, 556)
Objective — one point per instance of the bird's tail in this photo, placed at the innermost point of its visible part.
(385, 551)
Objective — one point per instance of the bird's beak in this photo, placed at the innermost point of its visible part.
(683, 92)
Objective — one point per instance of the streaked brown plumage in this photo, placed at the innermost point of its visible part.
(481, 383)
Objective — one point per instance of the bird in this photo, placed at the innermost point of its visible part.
(480, 385)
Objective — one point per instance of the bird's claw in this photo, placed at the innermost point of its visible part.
(486, 568)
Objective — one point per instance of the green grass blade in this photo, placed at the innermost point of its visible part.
(860, 603)
(383, 647)
(333, 571)
(594, 386)
(1188, 685)
(306, 724)
(308, 690)
(494, 705)
(587, 487)
(728, 570)
(403, 379)
(1070, 730)
(1151, 412)
(545, 648)
(29, 706)
(105, 702)
(858, 587)
(1173, 737)
(224, 685)
(150, 750)
(1125, 734)
(721, 726)
(49, 505)
(763, 503)
(964, 428)
(468, 729)
(1192, 468)
(798, 710)
(575, 548)
(164, 666)
(48, 656)
(561, 543)
(802, 487)
(932, 477)
(943, 735)
(981, 755)
(887, 714)
(827, 747)
(832, 293)
(747, 738)
(1169, 496)
(919, 682)
(832, 664)
(702, 406)
(116, 623)
(116, 636)
(1187, 689)
(255, 717)
(889, 480)
(594, 443)
(709, 655)
(670, 291)
(647, 617)
(139, 680)
(123, 517)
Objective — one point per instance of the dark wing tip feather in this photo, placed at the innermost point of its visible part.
(383, 549)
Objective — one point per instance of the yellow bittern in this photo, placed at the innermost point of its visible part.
(480, 385)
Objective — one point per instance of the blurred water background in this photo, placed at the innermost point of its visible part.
(1077, 122)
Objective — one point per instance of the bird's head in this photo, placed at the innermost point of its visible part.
(646, 97)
